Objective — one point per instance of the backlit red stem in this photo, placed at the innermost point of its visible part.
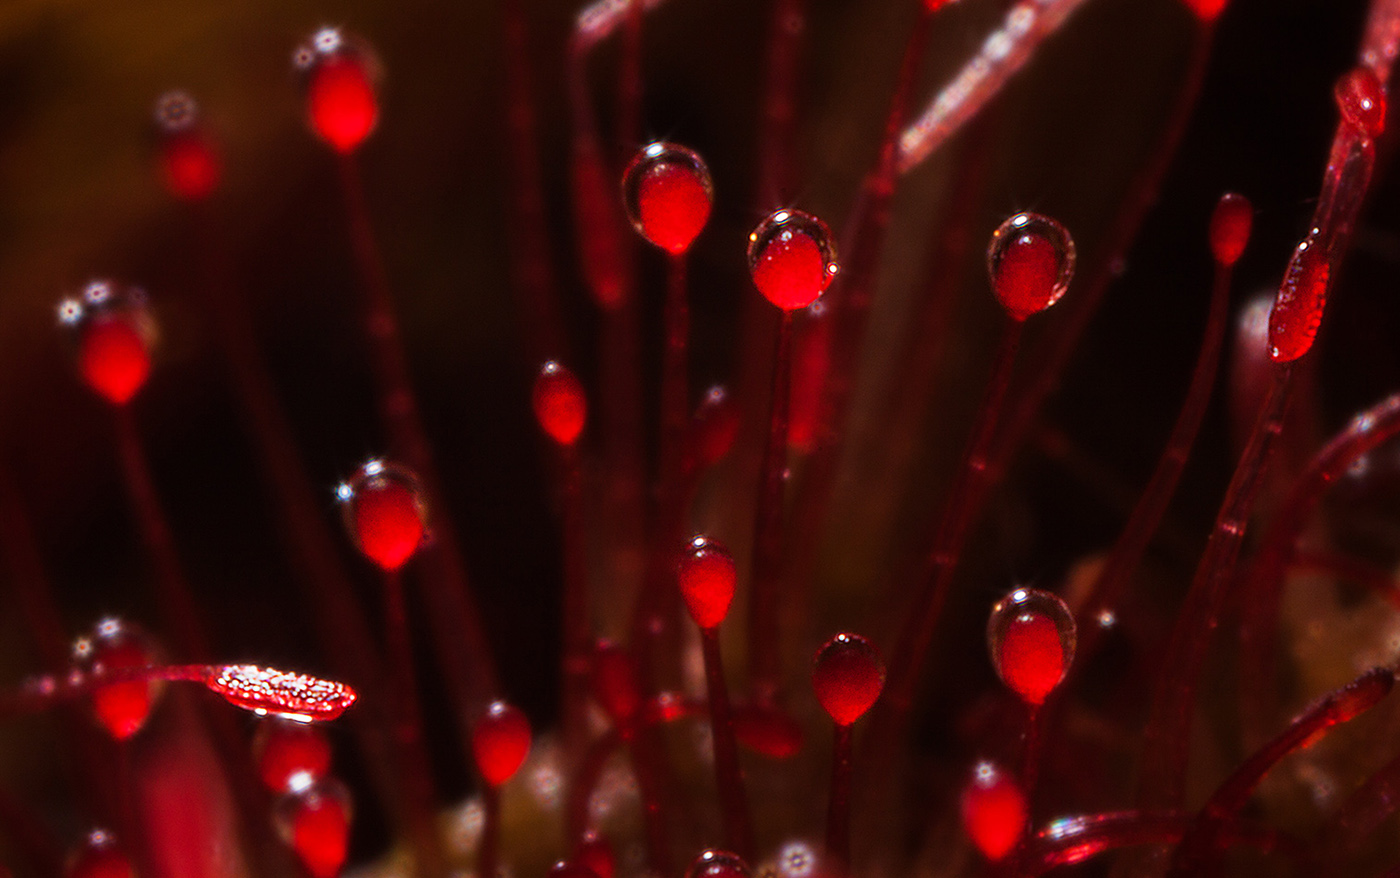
(764, 605)
(738, 826)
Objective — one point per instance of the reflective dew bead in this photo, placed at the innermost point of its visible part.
(1031, 637)
(384, 512)
(189, 164)
(993, 811)
(500, 743)
(561, 409)
(715, 427)
(1230, 225)
(668, 192)
(315, 824)
(714, 863)
(290, 754)
(706, 577)
(792, 258)
(120, 708)
(113, 357)
(1030, 259)
(342, 103)
(848, 675)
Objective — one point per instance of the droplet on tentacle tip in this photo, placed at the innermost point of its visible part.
(667, 192)
(615, 683)
(99, 856)
(706, 577)
(114, 332)
(341, 78)
(1030, 259)
(848, 675)
(1361, 100)
(713, 863)
(500, 742)
(1031, 636)
(315, 823)
(792, 258)
(1230, 225)
(385, 512)
(290, 754)
(121, 708)
(1206, 11)
(1297, 312)
(993, 811)
(561, 408)
(189, 162)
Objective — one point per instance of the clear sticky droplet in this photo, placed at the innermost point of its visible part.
(114, 333)
(561, 408)
(667, 192)
(290, 755)
(714, 863)
(848, 675)
(120, 708)
(189, 163)
(1361, 100)
(1030, 260)
(792, 258)
(270, 692)
(500, 742)
(1297, 313)
(315, 824)
(341, 77)
(99, 856)
(1230, 225)
(385, 512)
(993, 811)
(706, 577)
(1031, 636)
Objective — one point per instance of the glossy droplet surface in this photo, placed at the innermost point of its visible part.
(706, 577)
(667, 191)
(342, 101)
(1230, 225)
(1031, 636)
(792, 258)
(1361, 100)
(189, 164)
(615, 683)
(121, 708)
(715, 863)
(500, 743)
(384, 512)
(1297, 312)
(99, 856)
(848, 675)
(315, 824)
(1030, 260)
(265, 691)
(290, 754)
(715, 427)
(114, 333)
(993, 811)
(561, 409)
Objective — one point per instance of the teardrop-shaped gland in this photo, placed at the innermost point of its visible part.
(290, 755)
(385, 512)
(1361, 100)
(99, 856)
(1030, 260)
(848, 675)
(1230, 225)
(121, 708)
(500, 743)
(1031, 636)
(114, 333)
(714, 427)
(315, 823)
(767, 731)
(189, 163)
(714, 863)
(1297, 313)
(706, 577)
(561, 408)
(1206, 11)
(340, 76)
(792, 258)
(595, 853)
(667, 192)
(993, 811)
(615, 683)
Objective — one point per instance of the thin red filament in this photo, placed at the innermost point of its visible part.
(341, 102)
(113, 358)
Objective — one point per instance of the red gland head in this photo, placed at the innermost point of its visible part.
(714, 427)
(595, 854)
(767, 731)
(189, 163)
(706, 576)
(993, 811)
(290, 755)
(121, 708)
(615, 683)
(667, 191)
(1297, 313)
(848, 675)
(315, 823)
(792, 258)
(714, 863)
(1031, 260)
(99, 856)
(1031, 636)
(561, 408)
(114, 335)
(1230, 225)
(500, 743)
(1206, 11)
(1361, 100)
(384, 512)
(341, 82)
